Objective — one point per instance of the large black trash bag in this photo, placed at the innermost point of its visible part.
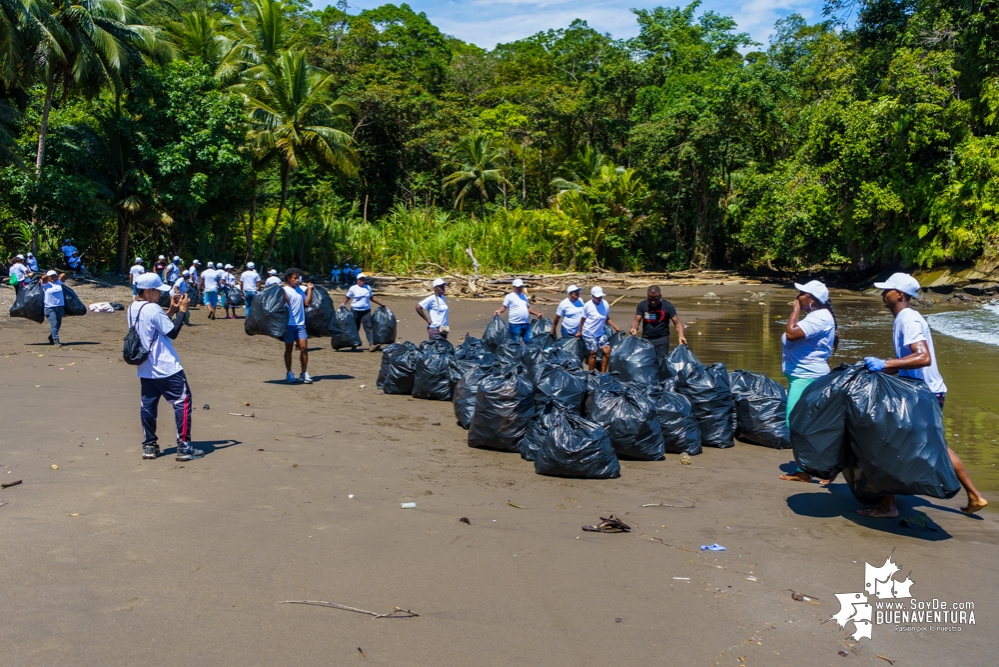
(572, 346)
(30, 303)
(194, 295)
(465, 390)
(560, 357)
(896, 440)
(761, 409)
(346, 334)
(541, 327)
(435, 371)
(596, 380)
(563, 383)
(504, 405)
(234, 297)
(496, 333)
(818, 423)
(634, 360)
(576, 447)
(537, 429)
(518, 352)
(680, 430)
(470, 348)
(398, 370)
(383, 326)
(320, 316)
(630, 418)
(74, 307)
(268, 314)
(679, 360)
(711, 399)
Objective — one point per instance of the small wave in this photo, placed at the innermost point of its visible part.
(980, 325)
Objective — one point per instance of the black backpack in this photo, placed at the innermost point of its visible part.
(134, 352)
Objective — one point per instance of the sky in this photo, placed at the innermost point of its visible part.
(490, 22)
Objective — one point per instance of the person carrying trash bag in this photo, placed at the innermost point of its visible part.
(596, 317)
(710, 397)
(818, 424)
(398, 369)
(681, 434)
(434, 310)
(576, 447)
(634, 360)
(434, 371)
(806, 346)
(630, 418)
(915, 358)
(654, 315)
(55, 303)
(761, 409)
(361, 297)
(504, 406)
(250, 282)
(519, 319)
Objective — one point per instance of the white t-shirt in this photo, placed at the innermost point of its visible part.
(360, 297)
(179, 286)
(19, 270)
(909, 328)
(211, 278)
(153, 326)
(436, 307)
(273, 280)
(808, 357)
(194, 273)
(596, 318)
(172, 272)
(249, 279)
(570, 312)
(518, 305)
(53, 294)
(136, 271)
(229, 279)
(296, 305)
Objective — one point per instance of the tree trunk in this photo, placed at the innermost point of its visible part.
(702, 242)
(253, 218)
(523, 174)
(124, 229)
(40, 158)
(285, 177)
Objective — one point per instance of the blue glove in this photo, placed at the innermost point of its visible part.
(874, 364)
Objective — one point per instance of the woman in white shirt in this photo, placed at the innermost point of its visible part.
(434, 310)
(361, 297)
(519, 319)
(569, 312)
(55, 304)
(806, 347)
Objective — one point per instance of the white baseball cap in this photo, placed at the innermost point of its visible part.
(250, 265)
(597, 291)
(196, 262)
(185, 273)
(228, 266)
(161, 257)
(438, 282)
(517, 282)
(50, 272)
(903, 282)
(176, 259)
(816, 289)
(150, 281)
(211, 265)
(31, 254)
(361, 275)
(570, 289)
(138, 260)
(272, 272)
(19, 257)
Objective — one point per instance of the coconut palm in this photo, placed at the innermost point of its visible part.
(203, 36)
(478, 161)
(264, 33)
(289, 113)
(579, 169)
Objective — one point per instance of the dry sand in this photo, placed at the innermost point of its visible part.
(112, 560)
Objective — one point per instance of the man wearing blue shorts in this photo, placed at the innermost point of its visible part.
(210, 279)
(298, 300)
(519, 305)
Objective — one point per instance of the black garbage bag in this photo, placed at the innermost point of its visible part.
(346, 334)
(504, 405)
(165, 299)
(541, 327)
(194, 295)
(537, 429)
(572, 346)
(669, 384)
(30, 303)
(470, 348)
(398, 370)
(563, 383)
(560, 357)
(74, 307)
(630, 419)
(634, 360)
(496, 333)
(679, 360)
(435, 371)
(596, 380)
(516, 352)
(320, 316)
(268, 314)
(576, 447)
(818, 423)
(761, 409)
(707, 389)
(679, 428)
(234, 297)
(383, 326)
(465, 390)
(896, 440)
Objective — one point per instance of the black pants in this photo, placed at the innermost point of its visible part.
(177, 393)
(364, 317)
(661, 345)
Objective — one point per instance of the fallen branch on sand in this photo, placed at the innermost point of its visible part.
(239, 414)
(397, 612)
(685, 507)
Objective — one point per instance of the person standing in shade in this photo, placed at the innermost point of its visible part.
(137, 270)
(68, 249)
(361, 296)
(592, 328)
(160, 267)
(806, 346)
(654, 315)
(915, 358)
(272, 278)
(161, 373)
(195, 270)
(210, 279)
(18, 274)
(569, 312)
(298, 300)
(250, 281)
(434, 310)
(173, 271)
(32, 263)
(55, 303)
(519, 305)
(335, 275)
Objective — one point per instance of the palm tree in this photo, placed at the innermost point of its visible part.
(289, 113)
(582, 167)
(8, 144)
(264, 34)
(203, 36)
(478, 161)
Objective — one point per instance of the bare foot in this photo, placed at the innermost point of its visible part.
(800, 476)
(974, 505)
(824, 482)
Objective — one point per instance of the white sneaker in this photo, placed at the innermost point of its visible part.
(305, 378)
(290, 378)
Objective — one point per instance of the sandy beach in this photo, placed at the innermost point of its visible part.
(111, 560)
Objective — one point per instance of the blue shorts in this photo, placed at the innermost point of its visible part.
(569, 334)
(594, 344)
(295, 332)
(518, 331)
(135, 290)
(212, 298)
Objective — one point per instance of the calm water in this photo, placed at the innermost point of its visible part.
(746, 335)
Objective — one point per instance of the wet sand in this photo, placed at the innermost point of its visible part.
(169, 563)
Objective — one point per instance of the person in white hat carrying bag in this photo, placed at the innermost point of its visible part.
(519, 305)
(568, 312)
(250, 282)
(434, 310)
(361, 297)
(592, 328)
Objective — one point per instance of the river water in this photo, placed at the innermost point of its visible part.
(746, 334)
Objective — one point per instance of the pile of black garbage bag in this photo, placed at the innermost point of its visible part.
(884, 433)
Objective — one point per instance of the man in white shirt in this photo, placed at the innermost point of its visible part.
(137, 270)
(569, 312)
(596, 316)
(519, 305)
(250, 281)
(173, 271)
(19, 272)
(434, 310)
(272, 278)
(228, 280)
(195, 270)
(210, 289)
(361, 296)
(55, 302)
(32, 263)
(298, 300)
(915, 358)
(68, 249)
(161, 373)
